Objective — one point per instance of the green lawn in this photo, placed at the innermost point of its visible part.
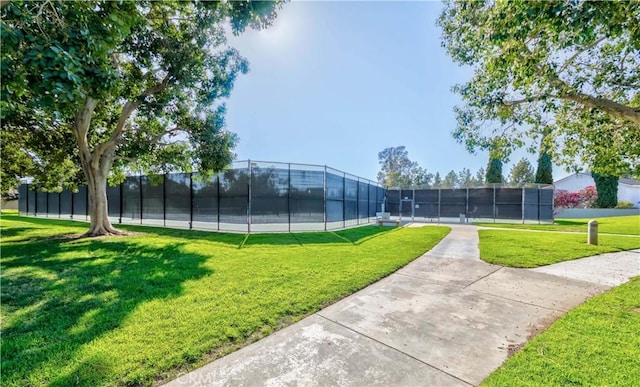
(595, 344)
(139, 309)
(533, 249)
(629, 225)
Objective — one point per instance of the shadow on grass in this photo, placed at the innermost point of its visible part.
(356, 235)
(353, 236)
(570, 223)
(59, 295)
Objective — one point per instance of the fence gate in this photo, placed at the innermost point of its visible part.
(406, 208)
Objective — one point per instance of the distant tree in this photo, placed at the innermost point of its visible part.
(465, 178)
(420, 177)
(544, 172)
(494, 171)
(437, 181)
(607, 187)
(397, 170)
(521, 173)
(451, 180)
(479, 178)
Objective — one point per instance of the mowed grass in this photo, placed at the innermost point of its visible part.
(629, 225)
(595, 344)
(533, 249)
(138, 310)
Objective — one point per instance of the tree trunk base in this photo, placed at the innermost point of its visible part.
(96, 231)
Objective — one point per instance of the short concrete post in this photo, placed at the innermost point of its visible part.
(592, 233)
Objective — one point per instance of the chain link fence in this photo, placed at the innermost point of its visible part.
(251, 196)
(493, 203)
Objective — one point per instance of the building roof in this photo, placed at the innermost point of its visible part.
(622, 180)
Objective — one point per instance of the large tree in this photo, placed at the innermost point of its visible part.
(494, 171)
(106, 87)
(521, 173)
(544, 170)
(533, 61)
(397, 169)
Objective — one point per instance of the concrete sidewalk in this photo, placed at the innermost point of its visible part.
(445, 319)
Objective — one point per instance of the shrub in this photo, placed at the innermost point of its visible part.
(624, 204)
(585, 198)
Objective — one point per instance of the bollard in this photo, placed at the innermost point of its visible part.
(463, 218)
(592, 233)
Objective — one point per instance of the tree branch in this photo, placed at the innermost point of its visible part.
(80, 128)
(578, 53)
(131, 106)
(126, 112)
(616, 109)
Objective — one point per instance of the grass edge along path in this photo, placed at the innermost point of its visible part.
(528, 249)
(141, 309)
(627, 225)
(595, 344)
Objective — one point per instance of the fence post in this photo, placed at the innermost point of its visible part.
(249, 196)
(466, 210)
(523, 193)
(344, 200)
(494, 202)
(289, 198)
(218, 197)
(439, 202)
(121, 202)
(47, 204)
(368, 201)
(73, 205)
(538, 204)
(27, 200)
(35, 206)
(191, 201)
(325, 197)
(140, 195)
(358, 200)
(86, 203)
(164, 200)
(59, 204)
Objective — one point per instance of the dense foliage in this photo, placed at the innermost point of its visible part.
(568, 67)
(585, 198)
(494, 171)
(607, 187)
(91, 90)
(521, 174)
(397, 170)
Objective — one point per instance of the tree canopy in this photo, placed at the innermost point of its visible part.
(494, 171)
(397, 170)
(569, 67)
(521, 173)
(106, 87)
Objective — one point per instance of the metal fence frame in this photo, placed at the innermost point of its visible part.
(130, 205)
(534, 203)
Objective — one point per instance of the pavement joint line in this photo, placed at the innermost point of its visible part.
(430, 280)
(521, 302)
(484, 276)
(395, 349)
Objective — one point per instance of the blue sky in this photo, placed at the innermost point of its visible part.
(336, 82)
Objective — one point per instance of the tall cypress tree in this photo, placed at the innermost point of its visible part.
(494, 170)
(544, 173)
(607, 187)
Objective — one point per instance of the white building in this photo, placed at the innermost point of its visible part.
(628, 189)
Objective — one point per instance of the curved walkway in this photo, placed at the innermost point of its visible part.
(445, 319)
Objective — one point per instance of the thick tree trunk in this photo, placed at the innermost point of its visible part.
(96, 168)
(98, 206)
